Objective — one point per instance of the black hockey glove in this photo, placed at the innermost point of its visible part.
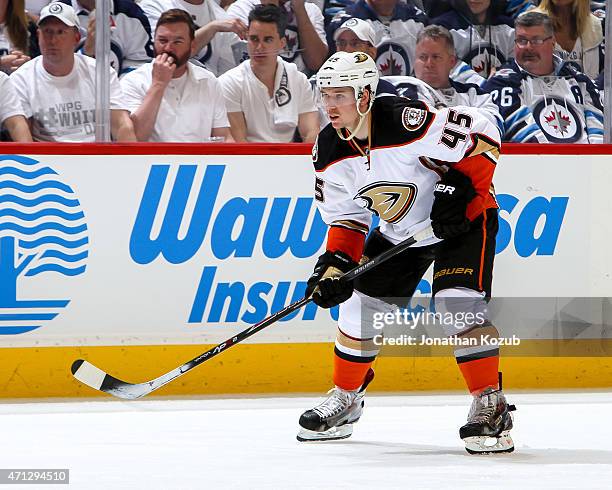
(452, 195)
(327, 289)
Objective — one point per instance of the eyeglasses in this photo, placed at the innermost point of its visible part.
(521, 42)
(355, 43)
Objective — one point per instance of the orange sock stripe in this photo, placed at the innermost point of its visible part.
(349, 375)
(480, 373)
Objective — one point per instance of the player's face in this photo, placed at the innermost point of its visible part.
(174, 40)
(339, 103)
(434, 62)
(264, 43)
(478, 7)
(57, 40)
(349, 42)
(535, 58)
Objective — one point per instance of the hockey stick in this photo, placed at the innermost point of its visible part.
(97, 379)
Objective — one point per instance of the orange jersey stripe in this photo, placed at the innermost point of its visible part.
(345, 240)
(480, 169)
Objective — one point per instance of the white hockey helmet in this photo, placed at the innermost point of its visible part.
(356, 70)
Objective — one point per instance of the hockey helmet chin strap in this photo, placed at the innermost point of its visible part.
(362, 116)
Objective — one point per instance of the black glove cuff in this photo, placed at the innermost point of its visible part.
(337, 259)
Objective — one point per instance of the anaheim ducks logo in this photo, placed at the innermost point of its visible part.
(361, 57)
(390, 201)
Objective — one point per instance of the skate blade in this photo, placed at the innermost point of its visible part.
(489, 445)
(333, 434)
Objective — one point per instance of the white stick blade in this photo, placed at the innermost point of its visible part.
(88, 374)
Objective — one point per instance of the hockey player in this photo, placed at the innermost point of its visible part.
(541, 99)
(410, 165)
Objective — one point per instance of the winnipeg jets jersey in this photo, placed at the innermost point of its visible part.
(395, 38)
(131, 44)
(561, 108)
(484, 47)
(394, 180)
(456, 94)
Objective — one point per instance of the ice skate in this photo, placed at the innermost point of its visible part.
(489, 423)
(333, 419)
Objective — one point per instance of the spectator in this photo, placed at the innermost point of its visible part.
(305, 33)
(396, 26)
(352, 36)
(131, 44)
(267, 98)
(172, 99)
(484, 38)
(216, 35)
(540, 98)
(57, 90)
(14, 35)
(435, 60)
(11, 112)
(579, 34)
(358, 35)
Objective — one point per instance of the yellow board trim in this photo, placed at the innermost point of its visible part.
(273, 368)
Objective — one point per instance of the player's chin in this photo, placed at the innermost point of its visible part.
(336, 121)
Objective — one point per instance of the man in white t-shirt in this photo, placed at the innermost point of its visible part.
(57, 90)
(171, 99)
(267, 98)
(215, 35)
(11, 113)
(306, 45)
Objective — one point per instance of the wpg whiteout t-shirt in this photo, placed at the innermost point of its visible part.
(9, 102)
(63, 108)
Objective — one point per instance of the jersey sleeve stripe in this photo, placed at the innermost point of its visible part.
(430, 165)
(352, 225)
(346, 240)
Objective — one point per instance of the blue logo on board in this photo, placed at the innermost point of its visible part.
(42, 231)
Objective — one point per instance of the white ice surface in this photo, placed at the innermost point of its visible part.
(563, 441)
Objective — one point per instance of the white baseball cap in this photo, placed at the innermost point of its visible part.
(362, 29)
(61, 11)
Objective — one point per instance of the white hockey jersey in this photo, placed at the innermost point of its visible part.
(131, 42)
(470, 95)
(394, 179)
(561, 108)
(484, 47)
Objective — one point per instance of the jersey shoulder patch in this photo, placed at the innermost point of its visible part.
(399, 121)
